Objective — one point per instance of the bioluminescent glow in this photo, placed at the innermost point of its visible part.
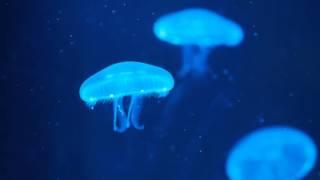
(133, 79)
(197, 31)
(272, 154)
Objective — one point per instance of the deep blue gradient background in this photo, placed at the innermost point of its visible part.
(47, 49)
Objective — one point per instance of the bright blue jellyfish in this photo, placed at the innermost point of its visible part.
(133, 79)
(272, 154)
(197, 31)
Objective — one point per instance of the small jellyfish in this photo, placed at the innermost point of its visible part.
(126, 79)
(273, 153)
(197, 31)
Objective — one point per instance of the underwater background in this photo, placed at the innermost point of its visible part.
(48, 48)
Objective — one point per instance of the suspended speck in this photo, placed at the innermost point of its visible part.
(150, 156)
(35, 133)
(225, 72)
(4, 77)
(261, 119)
(214, 76)
(56, 124)
(172, 148)
(114, 11)
(186, 159)
(101, 23)
(123, 30)
(255, 34)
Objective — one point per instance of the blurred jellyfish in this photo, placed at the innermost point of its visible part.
(197, 31)
(133, 79)
(272, 154)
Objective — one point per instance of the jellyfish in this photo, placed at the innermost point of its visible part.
(198, 31)
(126, 79)
(272, 153)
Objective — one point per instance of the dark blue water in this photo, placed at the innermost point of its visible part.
(47, 49)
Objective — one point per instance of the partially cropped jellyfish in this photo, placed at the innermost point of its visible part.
(273, 153)
(126, 79)
(197, 31)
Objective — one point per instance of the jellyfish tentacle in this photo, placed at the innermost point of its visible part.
(120, 123)
(134, 112)
(200, 60)
(187, 58)
(115, 115)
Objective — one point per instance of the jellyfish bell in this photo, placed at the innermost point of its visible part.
(126, 79)
(198, 31)
(198, 27)
(271, 154)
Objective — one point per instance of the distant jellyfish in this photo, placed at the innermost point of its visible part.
(126, 79)
(274, 153)
(197, 31)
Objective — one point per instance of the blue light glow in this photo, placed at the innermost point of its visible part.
(129, 78)
(272, 154)
(198, 28)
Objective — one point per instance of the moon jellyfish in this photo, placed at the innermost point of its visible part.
(126, 79)
(272, 154)
(197, 31)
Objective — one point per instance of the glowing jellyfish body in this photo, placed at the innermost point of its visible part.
(275, 153)
(197, 31)
(133, 79)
